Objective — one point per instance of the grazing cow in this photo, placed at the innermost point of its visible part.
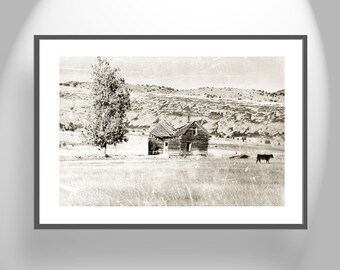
(265, 157)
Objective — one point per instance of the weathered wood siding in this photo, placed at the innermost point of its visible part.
(174, 147)
(199, 142)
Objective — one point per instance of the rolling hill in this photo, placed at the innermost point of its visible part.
(224, 112)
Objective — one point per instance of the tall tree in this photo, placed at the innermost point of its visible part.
(110, 103)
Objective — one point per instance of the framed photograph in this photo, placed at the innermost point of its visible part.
(170, 132)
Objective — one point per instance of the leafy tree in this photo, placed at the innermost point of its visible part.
(110, 102)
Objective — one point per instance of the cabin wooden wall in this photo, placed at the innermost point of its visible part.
(200, 143)
(173, 146)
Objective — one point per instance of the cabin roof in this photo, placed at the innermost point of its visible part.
(165, 130)
(180, 131)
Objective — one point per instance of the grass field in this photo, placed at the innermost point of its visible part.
(139, 180)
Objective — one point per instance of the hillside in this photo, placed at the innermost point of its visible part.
(224, 112)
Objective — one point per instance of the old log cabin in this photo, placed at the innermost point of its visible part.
(189, 140)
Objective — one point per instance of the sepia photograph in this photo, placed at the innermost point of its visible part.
(171, 131)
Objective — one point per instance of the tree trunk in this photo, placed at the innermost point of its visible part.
(103, 150)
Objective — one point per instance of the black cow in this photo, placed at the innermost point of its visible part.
(265, 157)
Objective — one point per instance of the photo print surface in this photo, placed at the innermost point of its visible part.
(172, 131)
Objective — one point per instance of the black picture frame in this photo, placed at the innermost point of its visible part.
(38, 225)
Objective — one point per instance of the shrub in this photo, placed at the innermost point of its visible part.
(70, 127)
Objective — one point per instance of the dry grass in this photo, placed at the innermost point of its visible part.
(171, 182)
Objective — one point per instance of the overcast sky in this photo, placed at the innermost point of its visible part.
(265, 73)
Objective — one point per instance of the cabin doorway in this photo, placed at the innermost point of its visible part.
(166, 148)
(188, 146)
